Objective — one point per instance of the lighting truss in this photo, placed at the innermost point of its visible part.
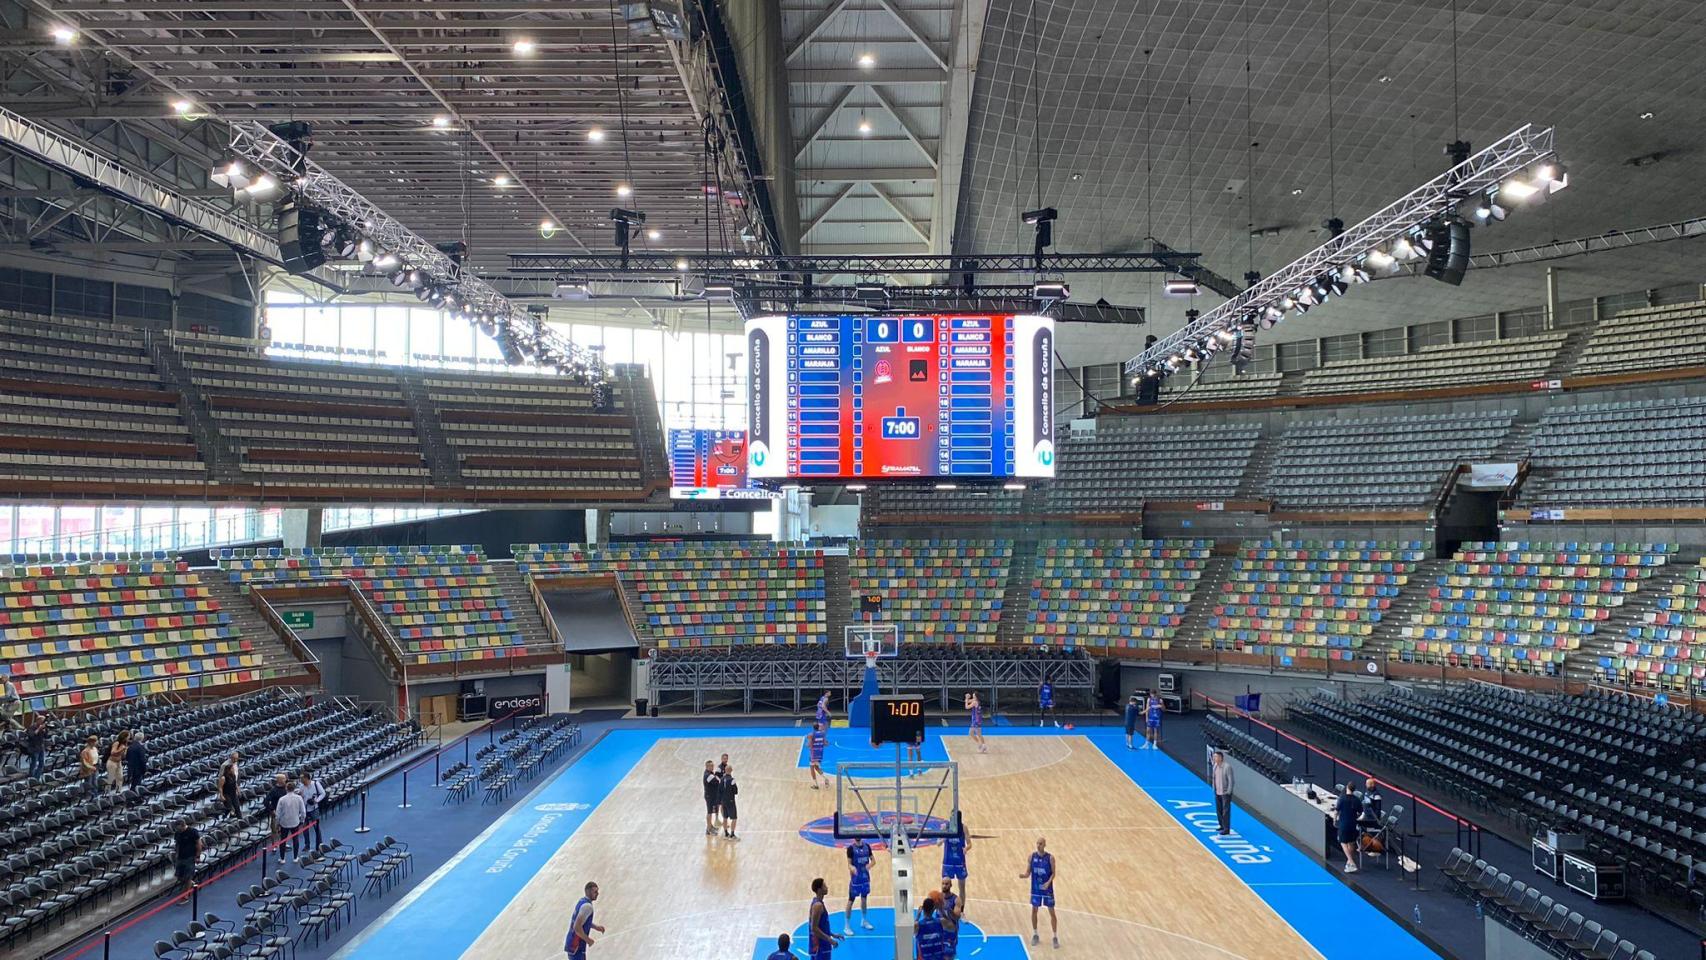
(256, 144)
(757, 267)
(1440, 196)
(1598, 243)
(764, 299)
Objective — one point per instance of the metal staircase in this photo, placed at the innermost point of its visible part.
(1254, 483)
(1193, 627)
(278, 660)
(1015, 624)
(220, 455)
(1389, 632)
(837, 597)
(524, 610)
(440, 455)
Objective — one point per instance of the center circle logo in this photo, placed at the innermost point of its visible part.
(822, 830)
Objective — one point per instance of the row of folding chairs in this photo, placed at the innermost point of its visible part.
(1552, 926)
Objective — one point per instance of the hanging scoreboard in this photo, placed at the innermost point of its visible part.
(900, 397)
(710, 465)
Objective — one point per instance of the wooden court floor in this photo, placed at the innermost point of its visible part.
(1132, 882)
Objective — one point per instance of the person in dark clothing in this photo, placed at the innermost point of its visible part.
(1133, 711)
(35, 744)
(730, 791)
(713, 783)
(1346, 810)
(230, 785)
(269, 803)
(187, 847)
(135, 764)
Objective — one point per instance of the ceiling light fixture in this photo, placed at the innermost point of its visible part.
(864, 126)
(1647, 115)
(523, 47)
(623, 190)
(1297, 191)
(1179, 287)
(596, 135)
(867, 61)
(681, 264)
(441, 121)
(64, 36)
(547, 228)
(500, 181)
(654, 235)
(182, 107)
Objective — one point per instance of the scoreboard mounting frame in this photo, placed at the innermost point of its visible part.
(897, 718)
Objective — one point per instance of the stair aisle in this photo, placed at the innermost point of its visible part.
(1193, 629)
(1584, 663)
(441, 457)
(222, 458)
(1389, 632)
(1016, 599)
(838, 599)
(523, 611)
(278, 660)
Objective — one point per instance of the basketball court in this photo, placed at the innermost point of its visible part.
(1140, 870)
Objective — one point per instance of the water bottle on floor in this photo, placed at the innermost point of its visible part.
(1478, 913)
(1417, 913)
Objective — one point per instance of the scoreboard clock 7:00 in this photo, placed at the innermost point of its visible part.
(897, 718)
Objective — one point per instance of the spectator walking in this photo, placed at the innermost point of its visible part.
(313, 794)
(136, 763)
(35, 744)
(269, 803)
(187, 845)
(230, 779)
(115, 762)
(289, 813)
(1345, 813)
(89, 765)
(730, 791)
(1220, 773)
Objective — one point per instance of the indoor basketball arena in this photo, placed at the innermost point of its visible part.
(852, 480)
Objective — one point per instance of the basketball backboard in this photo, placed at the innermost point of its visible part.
(920, 799)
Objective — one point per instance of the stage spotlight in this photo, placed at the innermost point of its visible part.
(1378, 259)
(339, 242)
(1305, 297)
(232, 175)
(1226, 336)
(385, 260)
(1179, 287)
(366, 250)
(1050, 290)
(423, 292)
(1403, 250)
(399, 278)
(263, 187)
(719, 290)
(417, 279)
(1322, 287)
(1035, 217)
(1516, 190)
(1488, 209)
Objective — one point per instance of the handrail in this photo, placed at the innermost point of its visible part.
(544, 612)
(369, 615)
(1514, 489)
(1457, 470)
(284, 631)
(1457, 819)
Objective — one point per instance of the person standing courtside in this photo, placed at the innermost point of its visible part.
(581, 926)
(859, 858)
(954, 857)
(1045, 703)
(1042, 871)
(1152, 722)
(1346, 810)
(816, 741)
(312, 794)
(713, 783)
(1220, 776)
(820, 939)
(289, 814)
(1132, 710)
(730, 790)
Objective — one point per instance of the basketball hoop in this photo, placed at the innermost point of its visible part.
(870, 659)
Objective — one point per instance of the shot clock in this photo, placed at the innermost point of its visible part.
(896, 719)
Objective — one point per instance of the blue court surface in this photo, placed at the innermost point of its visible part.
(448, 912)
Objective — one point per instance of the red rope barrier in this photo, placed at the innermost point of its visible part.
(1455, 818)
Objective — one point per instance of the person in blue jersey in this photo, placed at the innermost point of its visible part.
(815, 743)
(975, 705)
(954, 855)
(1042, 871)
(783, 950)
(581, 926)
(823, 710)
(820, 940)
(930, 930)
(952, 908)
(1045, 704)
(859, 858)
(1152, 722)
(1133, 710)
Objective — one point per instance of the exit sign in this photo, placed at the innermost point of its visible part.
(298, 619)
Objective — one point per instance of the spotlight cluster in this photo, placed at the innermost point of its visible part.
(1440, 245)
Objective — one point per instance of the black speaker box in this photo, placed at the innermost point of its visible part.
(1448, 261)
(299, 238)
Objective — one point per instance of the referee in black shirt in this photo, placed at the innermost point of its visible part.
(713, 798)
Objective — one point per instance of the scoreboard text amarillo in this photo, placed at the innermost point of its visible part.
(900, 397)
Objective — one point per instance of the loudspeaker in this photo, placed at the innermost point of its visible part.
(1448, 261)
(299, 238)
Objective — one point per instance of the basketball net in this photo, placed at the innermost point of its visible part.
(870, 658)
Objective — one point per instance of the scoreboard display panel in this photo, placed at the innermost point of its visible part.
(710, 465)
(897, 718)
(932, 396)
